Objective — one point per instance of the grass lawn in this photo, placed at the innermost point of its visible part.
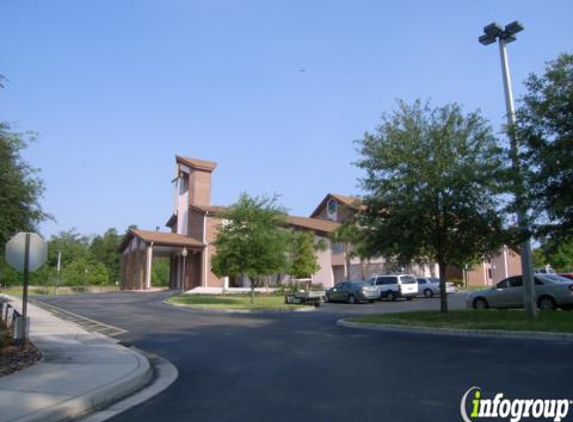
(233, 302)
(549, 321)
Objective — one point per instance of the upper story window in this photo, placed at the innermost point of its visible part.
(337, 248)
(332, 209)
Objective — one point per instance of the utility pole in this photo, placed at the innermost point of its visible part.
(492, 33)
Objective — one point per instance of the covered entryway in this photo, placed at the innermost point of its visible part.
(138, 249)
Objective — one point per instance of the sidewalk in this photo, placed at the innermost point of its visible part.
(79, 372)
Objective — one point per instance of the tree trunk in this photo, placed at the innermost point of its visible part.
(443, 294)
(362, 269)
(252, 290)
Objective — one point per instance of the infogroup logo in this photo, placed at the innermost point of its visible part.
(513, 409)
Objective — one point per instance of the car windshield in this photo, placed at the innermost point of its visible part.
(552, 278)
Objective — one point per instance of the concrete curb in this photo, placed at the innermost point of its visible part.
(165, 373)
(71, 406)
(500, 334)
(240, 311)
(98, 398)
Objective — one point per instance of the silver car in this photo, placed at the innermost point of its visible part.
(551, 292)
(430, 286)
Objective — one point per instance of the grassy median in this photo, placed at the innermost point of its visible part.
(234, 302)
(512, 320)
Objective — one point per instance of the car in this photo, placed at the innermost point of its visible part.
(566, 275)
(393, 286)
(352, 292)
(551, 292)
(430, 286)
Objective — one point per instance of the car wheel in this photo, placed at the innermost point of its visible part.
(351, 299)
(428, 293)
(480, 303)
(546, 303)
(409, 298)
(391, 296)
(371, 301)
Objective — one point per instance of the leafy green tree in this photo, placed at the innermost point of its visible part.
(72, 245)
(20, 186)
(251, 242)
(160, 272)
(83, 272)
(103, 249)
(352, 236)
(303, 259)
(545, 127)
(557, 252)
(433, 181)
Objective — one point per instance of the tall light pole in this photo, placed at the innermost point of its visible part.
(494, 32)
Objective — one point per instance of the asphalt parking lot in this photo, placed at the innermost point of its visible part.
(301, 366)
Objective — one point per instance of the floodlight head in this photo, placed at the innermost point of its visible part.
(513, 28)
(486, 39)
(508, 38)
(493, 29)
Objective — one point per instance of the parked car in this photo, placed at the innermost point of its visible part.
(429, 286)
(566, 275)
(352, 292)
(551, 292)
(393, 286)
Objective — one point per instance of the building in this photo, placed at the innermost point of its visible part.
(193, 229)
(195, 222)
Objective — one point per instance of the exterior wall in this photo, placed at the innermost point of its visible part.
(195, 224)
(325, 275)
(133, 266)
(212, 225)
(200, 187)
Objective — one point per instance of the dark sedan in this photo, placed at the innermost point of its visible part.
(352, 292)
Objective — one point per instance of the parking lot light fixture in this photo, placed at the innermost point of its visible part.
(504, 36)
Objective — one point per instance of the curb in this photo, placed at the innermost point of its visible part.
(457, 332)
(99, 397)
(240, 311)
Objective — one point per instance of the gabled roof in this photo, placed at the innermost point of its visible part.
(160, 239)
(196, 163)
(324, 227)
(349, 201)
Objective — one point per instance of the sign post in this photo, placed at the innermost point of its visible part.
(26, 252)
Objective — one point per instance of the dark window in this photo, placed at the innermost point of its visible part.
(515, 282)
(408, 280)
(538, 282)
(504, 284)
(388, 280)
(421, 281)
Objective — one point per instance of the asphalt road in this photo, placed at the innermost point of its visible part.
(302, 367)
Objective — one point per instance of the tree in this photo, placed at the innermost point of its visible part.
(83, 272)
(545, 128)
(103, 249)
(557, 252)
(20, 186)
(251, 243)
(303, 259)
(433, 180)
(351, 235)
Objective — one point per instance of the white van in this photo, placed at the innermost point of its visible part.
(393, 286)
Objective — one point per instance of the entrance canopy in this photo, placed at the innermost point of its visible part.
(138, 248)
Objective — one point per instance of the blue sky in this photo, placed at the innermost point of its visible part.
(116, 88)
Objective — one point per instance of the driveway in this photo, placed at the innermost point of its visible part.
(301, 366)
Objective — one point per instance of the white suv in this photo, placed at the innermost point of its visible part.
(393, 286)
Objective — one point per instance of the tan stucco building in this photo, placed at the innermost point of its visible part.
(194, 224)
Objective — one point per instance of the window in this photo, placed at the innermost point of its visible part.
(408, 280)
(387, 280)
(504, 284)
(421, 281)
(516, 282)
(337, 248)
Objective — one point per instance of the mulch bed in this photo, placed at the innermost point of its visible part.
(13, 359)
